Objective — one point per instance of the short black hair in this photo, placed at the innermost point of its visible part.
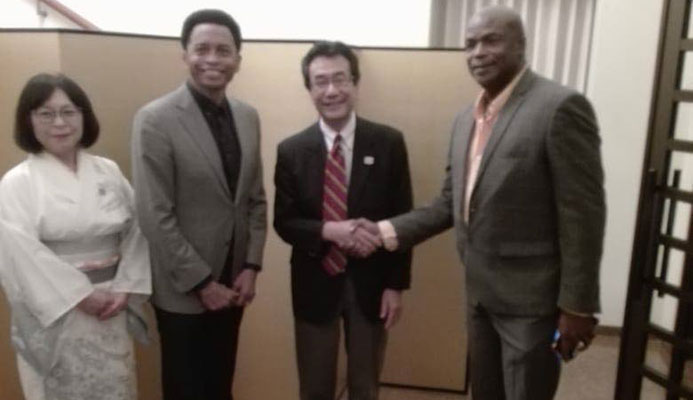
(210, 16)
(330, 49)
(35, 93)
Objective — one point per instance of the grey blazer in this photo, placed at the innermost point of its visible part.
(537, 211)
(183, 199)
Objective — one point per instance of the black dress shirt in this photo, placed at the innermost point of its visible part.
(220, 121)
(223, 128)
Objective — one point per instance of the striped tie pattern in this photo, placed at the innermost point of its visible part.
(334, 203)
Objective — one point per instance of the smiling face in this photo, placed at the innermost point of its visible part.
(212, 58)
(58, 126)
(332, 89)
(495, 50)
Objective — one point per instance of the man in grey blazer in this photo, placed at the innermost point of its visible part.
(524, 192)
(201, 202)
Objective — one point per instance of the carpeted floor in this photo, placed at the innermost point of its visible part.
(591, 376)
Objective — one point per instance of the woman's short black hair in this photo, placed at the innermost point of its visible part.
(210, 16)
(35, 93)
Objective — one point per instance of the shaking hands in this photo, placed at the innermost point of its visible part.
(356, 237)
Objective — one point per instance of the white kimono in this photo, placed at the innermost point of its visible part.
(62, 235)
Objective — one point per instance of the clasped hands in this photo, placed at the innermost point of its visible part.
(216, 296)
(356, 237)
(103, 304)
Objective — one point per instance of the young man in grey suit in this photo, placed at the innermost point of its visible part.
(337, 170)
(201, 202)
(524, 192)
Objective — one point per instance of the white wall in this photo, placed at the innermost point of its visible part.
(620, 83)
(22, 14)
(385, 23)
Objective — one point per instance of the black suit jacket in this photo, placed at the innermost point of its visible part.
(377, 190)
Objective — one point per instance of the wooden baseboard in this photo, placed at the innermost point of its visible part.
(608, 330)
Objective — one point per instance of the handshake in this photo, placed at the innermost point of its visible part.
(356, 237)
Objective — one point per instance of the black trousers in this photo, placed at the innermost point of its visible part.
(198, 353)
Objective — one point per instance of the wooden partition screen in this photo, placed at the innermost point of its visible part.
(416, 90)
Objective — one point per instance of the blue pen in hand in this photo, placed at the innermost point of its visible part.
(557, 349)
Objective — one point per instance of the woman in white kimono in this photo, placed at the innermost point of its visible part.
(78, 267)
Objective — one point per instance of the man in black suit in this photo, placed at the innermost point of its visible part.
(337, 170)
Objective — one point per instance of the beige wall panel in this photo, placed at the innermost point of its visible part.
(120, 74)
(417, 91)
(270, 80)
(23, 55)
(420, 92)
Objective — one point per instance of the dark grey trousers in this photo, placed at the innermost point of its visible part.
(317, 347)
(511, 357)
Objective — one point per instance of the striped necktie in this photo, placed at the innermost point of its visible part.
(334, 203)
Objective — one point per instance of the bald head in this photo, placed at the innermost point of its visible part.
(495, 46)
(502, 16)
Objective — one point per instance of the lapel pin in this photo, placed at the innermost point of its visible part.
(368, 160)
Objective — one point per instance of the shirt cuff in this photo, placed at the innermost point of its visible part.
(579, 314)
(388, 234)
(254, 267)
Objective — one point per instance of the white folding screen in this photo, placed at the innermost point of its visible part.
(558, 33)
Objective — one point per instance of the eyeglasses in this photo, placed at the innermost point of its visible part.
(339, 81)
(48, 116)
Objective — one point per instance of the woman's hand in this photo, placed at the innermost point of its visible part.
(115, 304)
(95, 303)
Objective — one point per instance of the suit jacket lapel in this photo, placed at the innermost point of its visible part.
(196, 126)
(315, 156)
(359, 170)
(243, 130)
(504, 118)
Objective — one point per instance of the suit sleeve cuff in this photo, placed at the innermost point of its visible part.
(388, 234)
(579, 314)
(254, 267)
(200, 285)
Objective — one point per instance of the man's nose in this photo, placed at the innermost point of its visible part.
(331, 88)
(478, 50)
(211, 56)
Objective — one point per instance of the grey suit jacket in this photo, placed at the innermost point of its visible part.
(183, 199)
(534, 237)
